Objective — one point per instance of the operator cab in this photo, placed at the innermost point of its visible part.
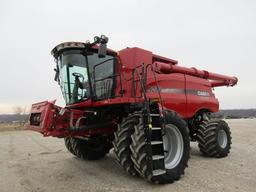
(84, 72)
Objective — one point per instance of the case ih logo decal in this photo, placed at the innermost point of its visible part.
(203, 93)
(180, 91)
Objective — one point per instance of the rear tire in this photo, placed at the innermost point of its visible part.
(87, 149)
(174, 168)
(214, 138)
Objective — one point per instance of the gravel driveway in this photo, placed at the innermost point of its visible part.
(30, 162)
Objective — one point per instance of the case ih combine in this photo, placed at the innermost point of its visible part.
(145, 106)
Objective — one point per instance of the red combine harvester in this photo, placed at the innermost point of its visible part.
(143, 105)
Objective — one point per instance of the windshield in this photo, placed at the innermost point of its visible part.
(75, 77)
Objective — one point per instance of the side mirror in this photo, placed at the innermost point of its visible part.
(57, 72)
(102, 51)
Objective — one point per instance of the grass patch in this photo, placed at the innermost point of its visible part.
(11, 126)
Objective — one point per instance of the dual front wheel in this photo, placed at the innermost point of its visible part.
(135, 154)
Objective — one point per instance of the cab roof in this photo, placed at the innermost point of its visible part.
(74, 45)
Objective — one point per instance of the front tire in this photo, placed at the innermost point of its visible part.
(87, 149)
(122, 142)
(214, 138)
(176, 142)
(68, 143)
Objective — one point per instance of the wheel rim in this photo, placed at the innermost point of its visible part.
(222, 138)
(173, 146)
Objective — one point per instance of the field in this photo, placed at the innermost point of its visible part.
(11, 126)
(30, 162)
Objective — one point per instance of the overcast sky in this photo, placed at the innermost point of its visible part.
(219, 36)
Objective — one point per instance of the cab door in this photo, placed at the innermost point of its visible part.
(102, 76)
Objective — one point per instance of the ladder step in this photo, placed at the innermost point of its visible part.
(156, 128)
(156, 142)
(154, 115)
(157, 157)
(158, 172)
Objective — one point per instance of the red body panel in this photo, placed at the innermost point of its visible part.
(172, 87)
(184, 90)
(134, 57)
(199, 96)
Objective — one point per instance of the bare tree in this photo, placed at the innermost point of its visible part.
(17, 110)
